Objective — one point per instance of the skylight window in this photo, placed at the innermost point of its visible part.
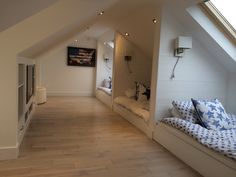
(227, 9)
(224, 13)
(111, 44)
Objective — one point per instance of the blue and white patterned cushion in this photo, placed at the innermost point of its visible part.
(223, 141)
(142, 92)
(232, 119)
(186, 110)
(212, 115)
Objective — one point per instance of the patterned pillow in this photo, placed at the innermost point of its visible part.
(186, 110)
(106, 83)
(110, 83)
(212, 115)
(175, 113)
(232, 119)
(142, 92)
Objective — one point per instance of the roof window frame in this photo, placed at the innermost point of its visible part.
(219, 19)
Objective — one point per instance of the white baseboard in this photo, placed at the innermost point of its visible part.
(8, 153)
(70, 94)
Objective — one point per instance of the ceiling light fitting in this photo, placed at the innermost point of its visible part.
(154, 20)
(101, 13)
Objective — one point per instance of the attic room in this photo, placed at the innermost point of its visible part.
(117, 88)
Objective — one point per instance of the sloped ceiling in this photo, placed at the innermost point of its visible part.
(133, 16)
(14, 11)
(202, 36)
(86, 14)
(134, 19)
(140, 27)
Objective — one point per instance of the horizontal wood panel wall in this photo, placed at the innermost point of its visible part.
(198, 74)
(231, 94)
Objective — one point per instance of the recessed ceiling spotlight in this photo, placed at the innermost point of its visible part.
(154, 20)
(76, 40)
(126, 34)
(101, 13)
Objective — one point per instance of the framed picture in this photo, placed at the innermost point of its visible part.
(81, 57)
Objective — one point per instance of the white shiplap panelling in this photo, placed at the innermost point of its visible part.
(231, 94)
(198, 75)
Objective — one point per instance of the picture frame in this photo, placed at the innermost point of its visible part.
(77, 56)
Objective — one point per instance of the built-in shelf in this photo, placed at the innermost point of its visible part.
(21, 75)
(21, 90)
(26, 71)
(21, 96)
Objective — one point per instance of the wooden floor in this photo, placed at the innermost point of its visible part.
(80, 137)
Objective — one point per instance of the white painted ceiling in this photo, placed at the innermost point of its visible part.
(85, 18)
(14, 11)
(133, 16)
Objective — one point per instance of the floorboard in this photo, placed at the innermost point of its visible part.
(81, 137)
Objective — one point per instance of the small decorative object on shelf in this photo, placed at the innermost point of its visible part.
(41, 95)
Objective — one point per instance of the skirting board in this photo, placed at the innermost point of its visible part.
(133, 119)
(8, 153)
(69, 93)
(207, 162)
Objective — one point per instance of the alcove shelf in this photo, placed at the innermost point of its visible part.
(21, 103)
(26, 82)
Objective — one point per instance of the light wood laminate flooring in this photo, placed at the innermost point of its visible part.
(81, 137)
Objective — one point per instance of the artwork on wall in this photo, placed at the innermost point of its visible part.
(81, 57)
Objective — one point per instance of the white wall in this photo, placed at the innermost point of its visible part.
(63, 80)
(104, 69)
(231, 95)
(198, 74)
(140, 66)
(37, 27)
